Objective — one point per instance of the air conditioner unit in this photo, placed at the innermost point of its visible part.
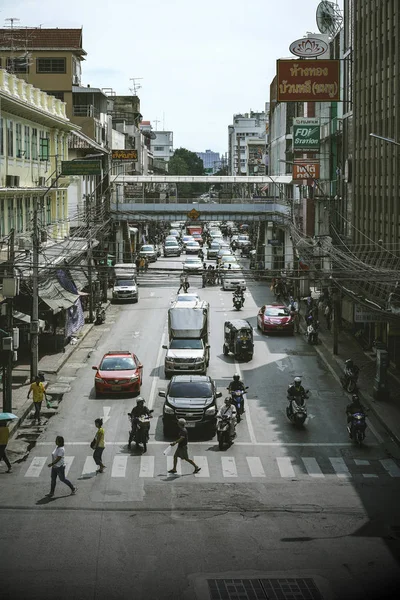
(42, 181)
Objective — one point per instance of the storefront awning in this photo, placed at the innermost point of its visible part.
(133, 230)
(55, 296)
(26, 318)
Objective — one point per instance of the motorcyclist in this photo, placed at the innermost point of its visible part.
(296, 392)
(138, 411)
(184, 283)
(350, 369)
(201, 254)
(354, 407)
(238, 293)
(229, 411)
(236, 384)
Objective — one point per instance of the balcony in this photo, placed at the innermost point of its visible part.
(85, 110)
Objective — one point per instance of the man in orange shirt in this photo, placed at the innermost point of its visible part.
(39, 392)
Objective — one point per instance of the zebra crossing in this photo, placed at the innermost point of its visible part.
(224, 467)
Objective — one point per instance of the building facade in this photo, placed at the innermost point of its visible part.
(162, 147)
(247, 126)
(211, 161)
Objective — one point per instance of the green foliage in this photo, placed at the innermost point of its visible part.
(185, 162)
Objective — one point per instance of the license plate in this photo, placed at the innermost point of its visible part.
(279, 327)
(190, 424)
(116, 388)
(183, 366)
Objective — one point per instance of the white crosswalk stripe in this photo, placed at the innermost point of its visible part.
(219, 466)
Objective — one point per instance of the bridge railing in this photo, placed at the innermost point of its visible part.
(173, 200)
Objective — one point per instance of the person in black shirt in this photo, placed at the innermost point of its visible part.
(139, 410)
(182, 451)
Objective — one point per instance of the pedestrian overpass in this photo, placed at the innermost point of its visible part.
(243, 202)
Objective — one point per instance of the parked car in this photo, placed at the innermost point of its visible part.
(149, 251)
(192, 397)
(273, 318)
(172, 248)
(119, 371)
(193, 264)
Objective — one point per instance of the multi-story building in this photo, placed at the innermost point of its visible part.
(252, 125)
(211, 161)
(162, 147)
(34, 131)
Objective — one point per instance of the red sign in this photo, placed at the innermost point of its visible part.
(306, 170)
(308, 80)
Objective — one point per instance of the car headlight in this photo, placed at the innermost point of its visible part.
(169, 361)
(98, 379)
(168, 410)
(211, 411)
(133, 379)
(199, 360)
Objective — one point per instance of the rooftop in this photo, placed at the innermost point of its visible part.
(38, 38)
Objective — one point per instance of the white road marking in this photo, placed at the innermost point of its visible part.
(146, 466)
(255, 466)
(170, 464)
(36, 466)
(391, 467)
(151, 294)
(271, 444)
(202, 462)
(369, 475)
(312, 467)
(228, 466)
(340, 467)
(361, 462)
(119, 466)
(280, 366)
(156, 379)
(285, 466)
(106, 414)
(89, 468)
(68, 462)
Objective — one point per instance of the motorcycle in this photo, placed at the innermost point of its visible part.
(349, 378)
(224, 437)
(296, 412)
(140, 435)
(312, 334)
(237, 397)
(357, 427)
(185, 286)
(100, 315)
(238, 302)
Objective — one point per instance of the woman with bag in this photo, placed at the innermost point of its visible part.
(97, 445)
(58, 467)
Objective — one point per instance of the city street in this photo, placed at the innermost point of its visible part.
(280, 503)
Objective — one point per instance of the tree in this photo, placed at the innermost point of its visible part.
(185, 162)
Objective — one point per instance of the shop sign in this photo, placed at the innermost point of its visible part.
(124, 155)
(275, 242)
(81, 167)
(306, 170)
(308, 80)
(363, 315)
(306, 134)
(308, 47)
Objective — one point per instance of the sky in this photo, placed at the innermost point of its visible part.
(198, 62)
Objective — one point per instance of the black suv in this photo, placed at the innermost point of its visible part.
(193, 398)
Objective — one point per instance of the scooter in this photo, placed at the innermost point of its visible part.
(141, 434)
(238, 302)
(224, 433)
(237, 397)
(312, 334)
(100, 315)
(357, 427)
(349, 378)
(296, 412)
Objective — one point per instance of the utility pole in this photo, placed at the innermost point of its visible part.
(7, 384)
(89, 256)
(35, 294)
(336, 309)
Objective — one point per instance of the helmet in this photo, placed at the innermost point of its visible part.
(139, 400)
(236, 377)
(228, 400)
(355, 398)
(297, 379)
(182, 422)
(349, 363)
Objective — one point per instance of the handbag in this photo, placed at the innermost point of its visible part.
(93, 443)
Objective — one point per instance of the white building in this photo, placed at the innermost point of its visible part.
(248, 126)
(211, 161)
(162, 147)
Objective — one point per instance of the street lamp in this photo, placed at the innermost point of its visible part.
(385, 139)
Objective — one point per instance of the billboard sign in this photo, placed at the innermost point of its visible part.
(363, 315)
(310, 80)
(306, 134)
(306, 170)
(124, 155)
(308, 47)
(81, 167)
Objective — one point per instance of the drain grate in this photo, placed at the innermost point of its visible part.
(263, 589)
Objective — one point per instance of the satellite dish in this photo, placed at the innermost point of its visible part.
(328, 17)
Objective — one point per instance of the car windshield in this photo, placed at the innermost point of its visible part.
(147, 248)
(171, 243)
(243, 237)
(188, 298)
(186, 344)
(193, 259)
(277, 312)
(214, 245)
(117, 363)
(190, 389)
(125, 282)
(192, 243)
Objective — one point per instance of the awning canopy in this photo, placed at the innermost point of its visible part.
(79, 275)
(26, 318)
(55, 296)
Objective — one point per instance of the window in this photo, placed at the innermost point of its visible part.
(27, 142)
(18, 140)
(58, 95)
(43, 146)
(27, 212)
(10, 138)
(34, 144)
(18, 64)
(1, 137)
(10, 213)
(2, 228)
(158, 148)
(20, 216)
(50, 65)
(48, 211)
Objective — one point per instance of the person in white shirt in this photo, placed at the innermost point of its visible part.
(229, 410)
(58, 467)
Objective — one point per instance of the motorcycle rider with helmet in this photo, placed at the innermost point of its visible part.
(238, 293)
(296, 392)
(237, 385)
(229, 411)
(350, 371)
(138, 411)
(354, 407)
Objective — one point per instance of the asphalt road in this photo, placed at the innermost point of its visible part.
(280, 503)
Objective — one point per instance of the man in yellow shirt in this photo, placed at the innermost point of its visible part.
(4, 435)
(39, 392)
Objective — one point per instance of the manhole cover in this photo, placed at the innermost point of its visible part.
(263, 589)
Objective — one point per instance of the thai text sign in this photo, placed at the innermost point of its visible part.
(306, 134)
(308, 80)
(81, 167)
(306, 170)
(124, 155)
(363, 315)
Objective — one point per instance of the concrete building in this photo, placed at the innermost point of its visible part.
(252, 125)
(162, 147)
(211, 161)
(34, 131)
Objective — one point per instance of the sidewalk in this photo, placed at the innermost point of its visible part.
(387, 412)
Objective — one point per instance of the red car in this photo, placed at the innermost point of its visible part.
(119, 372)
(275, 317)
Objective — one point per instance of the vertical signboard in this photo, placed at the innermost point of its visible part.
(306, 134)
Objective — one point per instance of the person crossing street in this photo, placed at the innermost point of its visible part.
(182, 449)
(39, 392)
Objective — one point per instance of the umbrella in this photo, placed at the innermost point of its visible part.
(7, 416)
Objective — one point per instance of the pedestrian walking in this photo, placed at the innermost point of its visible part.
(58, 467)
(4, 437)
(327, 315)
(39, 392)
(204, 278)
(98, 445)
(142, 264)
(146, 264)
(182, 449)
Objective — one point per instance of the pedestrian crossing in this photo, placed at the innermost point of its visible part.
(223, 467)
